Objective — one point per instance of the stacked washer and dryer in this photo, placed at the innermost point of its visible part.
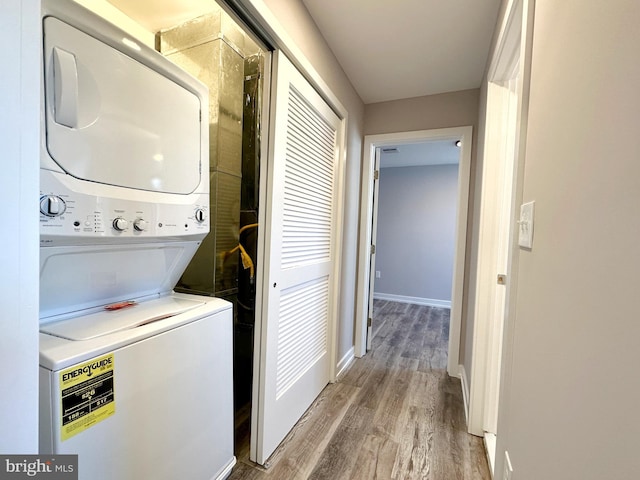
(134, 378)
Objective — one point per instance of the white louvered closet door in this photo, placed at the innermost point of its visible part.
(300, 244)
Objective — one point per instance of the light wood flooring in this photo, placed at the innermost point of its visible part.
(395, 414)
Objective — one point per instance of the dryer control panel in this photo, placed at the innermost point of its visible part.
(69, 217)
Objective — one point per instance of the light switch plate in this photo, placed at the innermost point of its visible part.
(525, 225)
(508, 469)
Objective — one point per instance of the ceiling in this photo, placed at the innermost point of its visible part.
(420, 154)
(392, 49)
(389, 49)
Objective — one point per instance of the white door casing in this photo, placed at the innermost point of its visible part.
(374, 232)
(300, 277)
(20, 27)
(367, 211)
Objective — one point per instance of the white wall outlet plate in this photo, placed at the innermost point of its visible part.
(525, 225)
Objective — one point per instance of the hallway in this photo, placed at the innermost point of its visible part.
(395, 414)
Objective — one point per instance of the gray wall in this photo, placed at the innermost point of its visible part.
(571, 390)
(416, 231)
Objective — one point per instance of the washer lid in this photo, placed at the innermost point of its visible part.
(110, 119)
(102, 323)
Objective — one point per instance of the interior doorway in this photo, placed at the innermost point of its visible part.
(367, 232)
(496, 222)
(414, 230)
(506, 105)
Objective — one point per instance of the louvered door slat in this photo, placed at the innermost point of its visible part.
(309, 183)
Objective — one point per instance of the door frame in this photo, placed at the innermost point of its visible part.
(371, 142)
(372, 254)
(512, 50)
(259, 18)
(281, 74)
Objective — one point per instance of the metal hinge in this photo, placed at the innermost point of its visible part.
(369, 322)
(376, 175)
(373, 249)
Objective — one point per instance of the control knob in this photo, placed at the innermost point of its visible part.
(200, 215)
(120, 224)
(52, 205)
(140, 225)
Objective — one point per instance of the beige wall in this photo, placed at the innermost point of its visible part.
(452, 109)
(295, 19)
(572, 394)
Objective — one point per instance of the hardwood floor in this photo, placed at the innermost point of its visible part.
(395, 414)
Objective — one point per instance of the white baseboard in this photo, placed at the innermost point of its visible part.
(454, 371)
(345, 361)
(428, 302)
(227, 470)
(490, 450)
(465, 392)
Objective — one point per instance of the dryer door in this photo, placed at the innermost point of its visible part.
(113, 120)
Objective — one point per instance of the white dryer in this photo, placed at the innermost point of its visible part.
(135, 379)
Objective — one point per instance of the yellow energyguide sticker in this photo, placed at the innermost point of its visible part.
(87, 395)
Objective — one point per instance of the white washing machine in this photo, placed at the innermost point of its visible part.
(141, 401)
(135, 379)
